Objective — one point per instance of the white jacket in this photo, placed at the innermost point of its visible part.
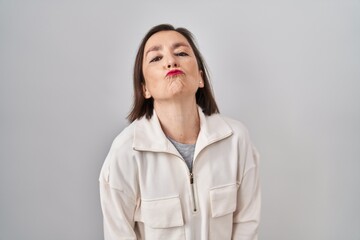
(147, 191)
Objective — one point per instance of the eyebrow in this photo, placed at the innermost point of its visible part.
(174, 46)
(180, 44)
(154, 48)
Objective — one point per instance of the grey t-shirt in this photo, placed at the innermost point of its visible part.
(186, 151)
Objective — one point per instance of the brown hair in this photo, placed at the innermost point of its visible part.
(141, 105)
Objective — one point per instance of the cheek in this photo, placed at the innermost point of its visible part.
(195, 74)
(148, 74)
(151, 77)
(193, 69)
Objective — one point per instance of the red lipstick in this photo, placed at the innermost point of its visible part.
(174, 73)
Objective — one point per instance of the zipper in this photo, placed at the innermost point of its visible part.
(191, 182)
(193, 190)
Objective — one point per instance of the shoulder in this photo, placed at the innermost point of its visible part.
(241, 134)
(120, 153)
(238, 127)
(124, 137)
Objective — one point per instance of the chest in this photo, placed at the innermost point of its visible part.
(166, 174)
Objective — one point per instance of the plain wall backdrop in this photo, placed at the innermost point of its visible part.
(289, 70)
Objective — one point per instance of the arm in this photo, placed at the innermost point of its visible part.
(247, 214)
(118, 192)
(118, 213)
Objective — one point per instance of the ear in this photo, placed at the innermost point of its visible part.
(146, 92)
(201, 82)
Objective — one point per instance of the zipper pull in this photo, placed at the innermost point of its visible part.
(192, 190)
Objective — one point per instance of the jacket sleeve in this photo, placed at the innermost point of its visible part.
(247, 214)
(118, 187)
(118, 213)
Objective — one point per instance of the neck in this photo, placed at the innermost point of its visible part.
(179, 120)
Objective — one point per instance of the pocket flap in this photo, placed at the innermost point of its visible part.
(161, 213)
(223, 200)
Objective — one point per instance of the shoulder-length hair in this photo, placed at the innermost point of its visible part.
(141, 105)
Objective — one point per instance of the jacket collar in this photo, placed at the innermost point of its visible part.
(148, 135)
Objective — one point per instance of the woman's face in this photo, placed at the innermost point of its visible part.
(170, 68)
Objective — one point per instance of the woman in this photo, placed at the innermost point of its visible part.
(179, 170)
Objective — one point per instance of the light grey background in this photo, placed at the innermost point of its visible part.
(289, 70)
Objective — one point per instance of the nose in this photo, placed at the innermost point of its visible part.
(171, 62)
(172, 65)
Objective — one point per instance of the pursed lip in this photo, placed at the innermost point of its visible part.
(174, 72)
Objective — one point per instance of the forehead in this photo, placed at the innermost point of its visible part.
(165, 38)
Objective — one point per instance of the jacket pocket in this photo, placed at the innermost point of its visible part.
(223, 201)
(162, 218)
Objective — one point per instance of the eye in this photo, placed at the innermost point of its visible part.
(156, 59)
(182, 54)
